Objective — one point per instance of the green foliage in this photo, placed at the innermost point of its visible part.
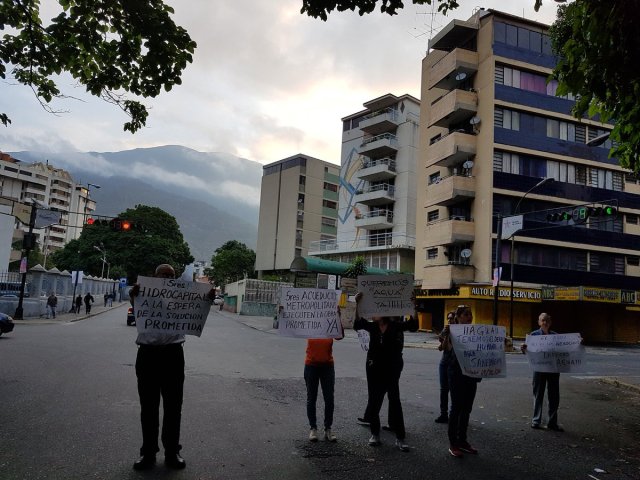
(108, 47)
(155, 239)
(231, 262)
(356, 268)
(599, 57)
(35, 257)
(321, 8)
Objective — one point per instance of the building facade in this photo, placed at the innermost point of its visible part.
(298, 206)
(496, 142)
(377, 207)
(52, 188)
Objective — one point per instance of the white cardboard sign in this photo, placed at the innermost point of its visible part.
(480, 349)
(558, 353)
(385, 295)
(309, 313)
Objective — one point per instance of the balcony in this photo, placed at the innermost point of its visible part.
(379, 146)
(446, 276)
(453, 68)
(381, 121)
(451, 149)
(451, 190)
(453, 108)
(446, 232)
(376, 219)
(380, 194)
(378, 169)
(363, 243)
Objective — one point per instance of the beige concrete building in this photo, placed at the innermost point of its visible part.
(496, 142)
(377, 210)
(298, 205)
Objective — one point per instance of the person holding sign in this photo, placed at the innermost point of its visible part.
(545, 379)
(160, 374)
(384, 367)
(442, 371)
(319, 370)
(463, 392)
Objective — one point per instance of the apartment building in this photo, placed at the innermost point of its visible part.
(495, 142)
(377, 207)
(298, 206)
(51, 187)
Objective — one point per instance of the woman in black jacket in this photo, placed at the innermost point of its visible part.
(384, 367)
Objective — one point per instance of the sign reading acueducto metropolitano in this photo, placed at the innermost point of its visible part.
(309, 313)
(171, 306)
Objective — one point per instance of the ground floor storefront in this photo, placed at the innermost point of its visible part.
(600, 315)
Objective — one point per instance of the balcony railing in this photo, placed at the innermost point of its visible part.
(450, 190)
(379, 241)
(379, 145)
(380, 121)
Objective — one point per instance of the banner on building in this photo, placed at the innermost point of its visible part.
(309, 313)
(171, 306)
(480, 349)
(559, 353)
(385, 295)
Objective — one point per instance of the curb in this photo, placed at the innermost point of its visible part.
(617, 383)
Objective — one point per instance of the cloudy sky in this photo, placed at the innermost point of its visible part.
(266, 81)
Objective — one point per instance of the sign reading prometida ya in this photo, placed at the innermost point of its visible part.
(480, 349)
(385, 295)
(309, 313)
(171, 306)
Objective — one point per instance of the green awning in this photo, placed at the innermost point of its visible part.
(319, 265)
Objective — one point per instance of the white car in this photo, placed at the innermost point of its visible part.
(218, 300)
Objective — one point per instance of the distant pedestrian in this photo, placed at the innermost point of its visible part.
(106, 299)
(110, 299)
(78, 303)
(88, 300)
(52, 303)
(443, 370)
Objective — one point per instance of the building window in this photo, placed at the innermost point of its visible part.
(332, 187)
(434, 177)
(509, 119)
(632, 260)
(432, 253)
(432, 216)
(632, 219)
(329, 222)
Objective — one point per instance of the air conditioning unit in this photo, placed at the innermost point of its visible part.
(458, 217)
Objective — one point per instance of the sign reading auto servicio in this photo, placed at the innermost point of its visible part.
(309, 313)
(480, 349)
(385, 295)
(171, 306)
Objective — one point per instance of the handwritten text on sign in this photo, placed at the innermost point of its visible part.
(555, 353)
(480, 349)
(309, 313)
(385, 295)
(171, 306)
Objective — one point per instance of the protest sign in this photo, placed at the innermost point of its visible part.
(364, 338)
(480, 349)
(171, 306)
(309, 313)
(555, 353)
(385, 295)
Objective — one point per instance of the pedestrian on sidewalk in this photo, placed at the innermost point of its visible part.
(443, 370)
(52, 303)
(88, 300)
(110, 299)
(385, 363)
(106, 298)
(319, 369)
(78, 303)
(542, 380)
(463, 393)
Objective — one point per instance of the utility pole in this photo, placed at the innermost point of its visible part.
(28, 243)
(496, 272)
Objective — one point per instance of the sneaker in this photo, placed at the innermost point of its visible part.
(443, 418)
(465, 447)
(536, 426)
(403, 447)
(362, 421)
(313, 435)
(555, 428)
(329, 436)
(455, 451)
(374, 441)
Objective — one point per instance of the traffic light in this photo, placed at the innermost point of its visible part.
(582, 213)
(97, 221)
(121, 225)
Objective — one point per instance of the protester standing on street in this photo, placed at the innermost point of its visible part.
(463, 393)
(78, 303)
(384, 359)
(542, 380)
(319, 369)
(52, 303)
(443, 367)
(88, 300)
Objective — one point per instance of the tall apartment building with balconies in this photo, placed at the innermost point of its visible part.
(298, 206)
(491, 130)
(54, 187)
(377, 208)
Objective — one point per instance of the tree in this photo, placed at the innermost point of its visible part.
(231, 261)
(154, 238)
(321, 8)
(599, 57)
(35, 257)
(356, 268)
(109, 47)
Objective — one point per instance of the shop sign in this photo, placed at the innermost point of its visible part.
(548, 293)
(519, 294)
(629, 296)
(438, 292)
(567, 293)
(600, 295)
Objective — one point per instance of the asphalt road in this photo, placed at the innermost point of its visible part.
(69, 410)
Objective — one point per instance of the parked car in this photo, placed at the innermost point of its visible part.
(6, 323)
(131, 318)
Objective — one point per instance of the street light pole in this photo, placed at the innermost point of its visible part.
(86, 201)
(103, 251)
(511, 253)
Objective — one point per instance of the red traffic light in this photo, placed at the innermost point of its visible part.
(90, 221)
(126, 225)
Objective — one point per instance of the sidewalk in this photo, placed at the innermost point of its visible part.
(66, 317)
